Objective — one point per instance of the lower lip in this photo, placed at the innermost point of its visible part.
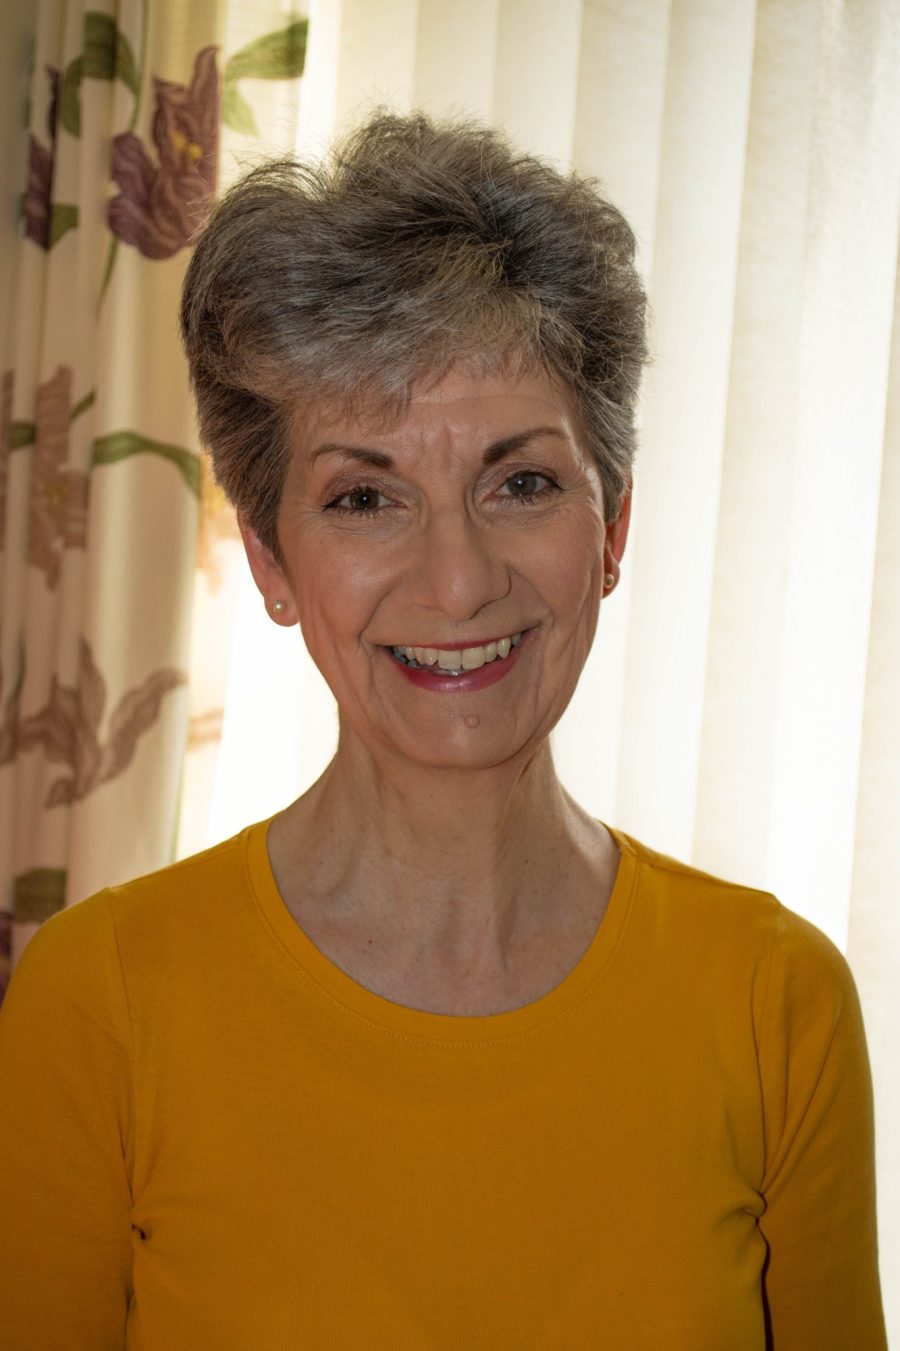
(427, 678)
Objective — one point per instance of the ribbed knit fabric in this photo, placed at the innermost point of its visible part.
(213, 1139)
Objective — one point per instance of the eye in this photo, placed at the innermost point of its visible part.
(528, 486)
(359, 501)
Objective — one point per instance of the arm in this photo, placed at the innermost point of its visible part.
(821, 1281)
(65, 1130)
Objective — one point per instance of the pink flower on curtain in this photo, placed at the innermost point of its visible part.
(59, 494)
(159, 207)
(67, 728)
(39, 185)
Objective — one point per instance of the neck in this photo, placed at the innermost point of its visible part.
(466, 862)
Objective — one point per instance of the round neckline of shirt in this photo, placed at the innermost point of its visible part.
(421, 1024)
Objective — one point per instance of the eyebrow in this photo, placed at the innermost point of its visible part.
(379, 459)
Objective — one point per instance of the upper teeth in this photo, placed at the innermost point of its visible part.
(462, 659)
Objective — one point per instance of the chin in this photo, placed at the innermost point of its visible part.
(470, 743)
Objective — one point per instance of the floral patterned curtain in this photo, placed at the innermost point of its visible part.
(116, 545)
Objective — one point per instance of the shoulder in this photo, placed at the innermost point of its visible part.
(719, 920)
(84, 945)
(698, 905)
(190, 881)
(809, 986)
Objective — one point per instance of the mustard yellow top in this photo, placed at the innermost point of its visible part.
(215, 1140)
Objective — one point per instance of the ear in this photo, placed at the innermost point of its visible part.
(268, 575)
(617, 532)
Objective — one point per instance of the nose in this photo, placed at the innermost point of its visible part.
(459, 571)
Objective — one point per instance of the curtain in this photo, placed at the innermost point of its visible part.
(117, 548)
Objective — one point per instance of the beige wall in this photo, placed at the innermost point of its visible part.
(17, 22)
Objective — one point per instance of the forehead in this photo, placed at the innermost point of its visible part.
(460, 393)
(461, 413)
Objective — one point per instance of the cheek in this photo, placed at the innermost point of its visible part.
(569, 568)
(338, 589)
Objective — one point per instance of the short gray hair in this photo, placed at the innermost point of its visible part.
(415, 247)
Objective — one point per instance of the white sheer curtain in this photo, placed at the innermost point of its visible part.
(740, 706)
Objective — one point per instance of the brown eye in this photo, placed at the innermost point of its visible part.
(524, 485)
(362, 499)
(528, 486)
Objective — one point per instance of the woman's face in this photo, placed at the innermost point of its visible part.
(446, 572)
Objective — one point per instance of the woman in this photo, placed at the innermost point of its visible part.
(432, 1059)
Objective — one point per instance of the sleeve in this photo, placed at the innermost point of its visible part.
(65, 1139)
(821, 1281)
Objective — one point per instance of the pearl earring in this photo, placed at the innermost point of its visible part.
(278, 607)
(609, 581)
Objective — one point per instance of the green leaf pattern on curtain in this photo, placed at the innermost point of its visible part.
(119, 445)
(63, 217)
(70, 96)
(107, 55)
(276, 56)
(9, 715)
(112, 529)
(38, 894)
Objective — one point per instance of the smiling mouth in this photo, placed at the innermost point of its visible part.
(456, 661)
